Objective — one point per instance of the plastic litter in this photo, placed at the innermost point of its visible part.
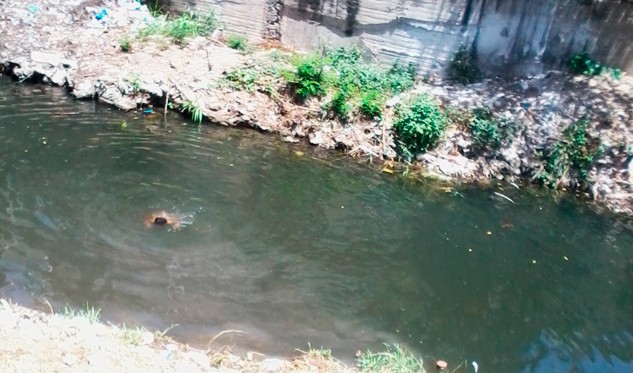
(103, 13)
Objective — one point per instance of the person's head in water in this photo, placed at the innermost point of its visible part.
(159, 220)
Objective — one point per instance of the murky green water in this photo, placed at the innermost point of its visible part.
(294, 249)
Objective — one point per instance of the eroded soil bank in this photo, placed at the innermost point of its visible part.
(65, 44)
(37, 342)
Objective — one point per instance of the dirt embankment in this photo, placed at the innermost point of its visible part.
(65, 44)
(33, 341)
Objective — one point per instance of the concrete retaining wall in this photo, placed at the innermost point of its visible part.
(516, 36)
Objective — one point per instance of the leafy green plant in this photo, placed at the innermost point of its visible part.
(184, 26)
(124, 43)
(401, 78)
(419, 125)
(372, 103)
(193, 109)
(574, 152)
(464, 67)
(487, 131)
(340, 103)
(92, 314)
(244, 79)
(135, 83)
(252, 78)
(393, 359)
(352, 85)
(582, 63)
(309, 79)
(237, 42)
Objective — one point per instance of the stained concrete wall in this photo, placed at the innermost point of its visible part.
(516, 36)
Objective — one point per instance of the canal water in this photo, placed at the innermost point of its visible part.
(291, 245)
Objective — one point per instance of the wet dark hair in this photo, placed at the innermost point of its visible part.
(159, 220)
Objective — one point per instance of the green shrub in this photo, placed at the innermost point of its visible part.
(353, 85)
(401, 78)
(372, 103)
(237, 42)
(340, 103)
(309, 79)
(419, 125)
(487, 131)
(464, 66)
(583, 64)
(573, 153)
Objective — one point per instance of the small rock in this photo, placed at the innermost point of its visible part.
(290, 139)
(59, 77)
(316, 138)
(84, 89)
(393, 101)
(69, 64)
(52, 59)
(69, 359)
(200, 359)
(273, 365)
(441, 365)
(29, 329)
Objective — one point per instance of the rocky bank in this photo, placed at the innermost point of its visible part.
(63, 43)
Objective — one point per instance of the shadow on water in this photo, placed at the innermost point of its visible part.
(299, 247)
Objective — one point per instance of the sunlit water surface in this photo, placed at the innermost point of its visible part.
(291, 245)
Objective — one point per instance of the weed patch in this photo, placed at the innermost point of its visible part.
(92, 314)
(419, 125)
(574, 152)
(393, 359)
(352, 86)
(464, 66)
(488, 132)
(237, 42)
(252, 78)
(583, 64)
(125, 43)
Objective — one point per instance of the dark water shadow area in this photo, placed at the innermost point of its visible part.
(292, 246)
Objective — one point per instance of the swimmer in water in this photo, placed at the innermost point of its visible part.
(162, 219)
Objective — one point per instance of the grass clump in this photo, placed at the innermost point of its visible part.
(583, 64)
(573, 153)
(488, 132)
(394, 359)
(182, 27)
(125, 43)
(419, 125)
(464, 66)
(237, 42)
(134, 82)
(193, 109)
(352, 86)
(135, 336)
(92, 314)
